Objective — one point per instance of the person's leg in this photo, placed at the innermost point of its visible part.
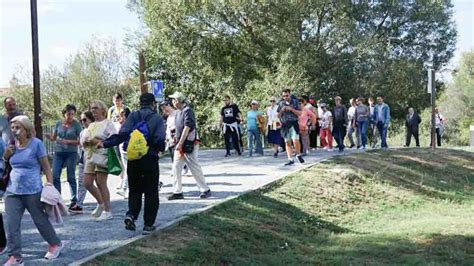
(305, 136)
(178, 164)
(329, 138)
(123, 158)
(438, 137)
(382, 130)
(312, 139)
(289, 149)
(417, 138)
(363, 133)
(196, 170)
(14, 210)
(3, 237)
(258, 140)
(383, 136)
(71, 161)
(151, 175)
(36, 209)
(408, 137)
(58, 162)
(359, 135)
(250, 138)
(351, 138)
(227, 138)
(336, 132)
(136, 188)
(89, 185)
(81, 189)
(235, 141)
(322, 135)
(101, 180)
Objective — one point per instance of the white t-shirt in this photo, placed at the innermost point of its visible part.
(351, 113)
(272, 115)
(100, 130)
(325, 119)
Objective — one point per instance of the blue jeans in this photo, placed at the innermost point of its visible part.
(383, 134)
(339, 133)
(68, 159)
(254, 135)
(363, 126)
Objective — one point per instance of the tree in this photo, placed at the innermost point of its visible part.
(325, 48)
(96, 72)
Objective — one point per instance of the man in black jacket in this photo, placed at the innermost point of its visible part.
(412, 122)
(143, 174)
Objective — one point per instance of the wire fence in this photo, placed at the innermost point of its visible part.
(48, 143)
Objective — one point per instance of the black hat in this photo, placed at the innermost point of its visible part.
(147, 98)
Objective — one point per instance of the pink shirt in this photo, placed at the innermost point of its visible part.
(306, 114)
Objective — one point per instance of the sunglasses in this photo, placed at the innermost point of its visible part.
(272, 101)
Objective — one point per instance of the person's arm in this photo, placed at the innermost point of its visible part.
(387, 119)
(46, 170)
(184, 135)
(124, 133)
(418, 118)
(293, 110)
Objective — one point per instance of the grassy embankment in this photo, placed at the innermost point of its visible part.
(397, 207)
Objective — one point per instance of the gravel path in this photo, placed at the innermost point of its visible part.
(227, 177)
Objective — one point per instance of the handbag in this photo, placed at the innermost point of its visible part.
(113, 164)
(99, 158)
(188, 146)
(6, 176)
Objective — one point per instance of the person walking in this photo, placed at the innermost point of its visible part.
(143, 173)
(351, 127)
(253, 131)
(10, 112)
(340, 123)
(439, 126)
(274, 125)
(306, 120)
(326, 125)
(361, 119)
(186, 149)
(113, 114)
(412, 123)
(372, 124)
(382, 120)
(27, 158)
(3, 237)
(289, 120)
(95, 168)
(314, 130)
(86, 119)
(230, 119)
(66, 135)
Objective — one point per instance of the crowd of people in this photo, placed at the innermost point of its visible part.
(290, 124)
(295, 124)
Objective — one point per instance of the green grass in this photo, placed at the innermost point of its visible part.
(406, 206)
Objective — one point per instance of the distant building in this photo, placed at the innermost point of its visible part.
(5, 92)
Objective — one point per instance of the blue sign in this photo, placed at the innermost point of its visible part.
(157, 88)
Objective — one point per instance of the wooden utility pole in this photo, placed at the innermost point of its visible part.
(36, 73)
(433, 107)
(141, 67)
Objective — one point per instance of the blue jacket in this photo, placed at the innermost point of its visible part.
(385, 114)
(155, 125)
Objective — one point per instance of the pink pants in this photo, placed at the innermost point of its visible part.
(326, 138)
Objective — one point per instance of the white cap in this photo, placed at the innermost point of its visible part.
(254, 102)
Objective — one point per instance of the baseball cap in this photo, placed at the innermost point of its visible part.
(254, 102)
(178, 96)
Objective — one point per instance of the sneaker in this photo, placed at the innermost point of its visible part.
(53, 251)
(104, 216)
(329, 150)
(72, 205)
(352, 147)
(130, 223)
(275, 155)
(176, 196)
(206, 194)
(98, 210)
(75, 209)
(290, 162)
(122, 192)
(147, 229)
(300, 158)
(12, 260)
(227, 155)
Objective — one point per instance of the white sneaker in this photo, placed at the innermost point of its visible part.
(98, 210)
(104, 216)
(123, 193)
(12, 260)
(54, 251)
(329, 150)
